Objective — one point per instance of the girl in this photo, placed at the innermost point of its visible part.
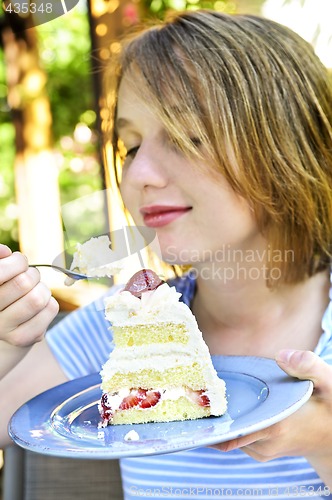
(222, 132)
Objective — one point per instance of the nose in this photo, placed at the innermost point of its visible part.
(146, 169)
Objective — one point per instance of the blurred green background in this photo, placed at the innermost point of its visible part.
(64, 49)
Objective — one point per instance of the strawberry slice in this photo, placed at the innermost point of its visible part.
(198, 397)
(130, 401)
(151, 399)
(105, 409)
(203, 399)
(140, 398)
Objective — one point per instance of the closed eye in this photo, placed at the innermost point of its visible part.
(132, 151)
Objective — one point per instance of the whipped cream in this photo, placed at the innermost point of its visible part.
(157, 305)
(131, 436)
(135, 358)
(96, 259)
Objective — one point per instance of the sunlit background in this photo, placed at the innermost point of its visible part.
(309, 18)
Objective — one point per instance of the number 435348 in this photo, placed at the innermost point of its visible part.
(25, 8)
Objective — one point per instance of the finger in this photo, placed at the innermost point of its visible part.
(12, 265)
(256, 455)
(4, 251)
(241, 441)
(34, 329)
(248, 449)
(306, 365)
(25, 308)
(17, 287)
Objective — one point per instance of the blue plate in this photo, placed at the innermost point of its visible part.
(64, 420)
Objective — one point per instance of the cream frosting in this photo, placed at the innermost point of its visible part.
(156, 306)
(160, 362)
(131, 436)
(95, 258)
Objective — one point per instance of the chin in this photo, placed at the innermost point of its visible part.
(176, 257)
(177, 250)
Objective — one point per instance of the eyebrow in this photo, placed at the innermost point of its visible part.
(124, 122)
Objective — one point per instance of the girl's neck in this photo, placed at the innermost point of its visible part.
(246, 317)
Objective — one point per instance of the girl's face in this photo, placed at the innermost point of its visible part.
(195, 215)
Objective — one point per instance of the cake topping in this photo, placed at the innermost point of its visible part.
(131, 436)
(124, 308)
(144, 280)
(95, 258)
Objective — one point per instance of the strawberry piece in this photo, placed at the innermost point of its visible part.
(143, 281)
(203, 399)
(151, 399)
(198, 397)
(140, 398)
(105, 409)
(130, 401)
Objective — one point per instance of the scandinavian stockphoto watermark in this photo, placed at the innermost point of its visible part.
(228, 263)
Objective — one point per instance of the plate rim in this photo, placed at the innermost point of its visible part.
(252, 366)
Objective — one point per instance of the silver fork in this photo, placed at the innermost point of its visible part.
(71, 274)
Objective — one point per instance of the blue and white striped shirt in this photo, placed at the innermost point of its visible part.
(82, 343)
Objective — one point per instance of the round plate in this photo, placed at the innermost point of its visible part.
(64, 420)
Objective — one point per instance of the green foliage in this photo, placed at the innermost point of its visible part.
(8, 211)
(8, 217)
(159, 8)
(64, 50)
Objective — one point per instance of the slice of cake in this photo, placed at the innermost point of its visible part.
(160, 369)
(95, 259)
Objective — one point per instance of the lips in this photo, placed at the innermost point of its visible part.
(161, 215)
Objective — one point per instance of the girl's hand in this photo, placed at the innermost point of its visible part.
(308, 432)
(26, 304)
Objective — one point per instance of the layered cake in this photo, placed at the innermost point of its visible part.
(160, 369)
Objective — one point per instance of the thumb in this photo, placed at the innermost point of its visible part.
(306, 365)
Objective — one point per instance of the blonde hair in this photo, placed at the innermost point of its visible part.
(258, 99)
